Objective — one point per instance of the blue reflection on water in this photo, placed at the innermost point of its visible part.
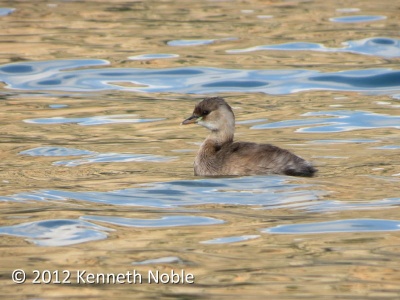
(57, 232)
(55, 151)
(377, 46)
(4, 11)
(56, 106)
(357, 19)
(378, 80)
(153, 56)
(231, 239)
(351, 225)
(257, 190)
(388, 147)
(294, 46)
(167, 221)
(114, 158)
(92, 157)
(337, 205)
(66, 75)
(349, 141)
(337, 121)
(265, 192)
(160, 260)
(95, 120)
(190, 42)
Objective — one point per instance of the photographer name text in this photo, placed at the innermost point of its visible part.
(84, 277)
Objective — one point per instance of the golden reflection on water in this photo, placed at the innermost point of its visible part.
(280, 266)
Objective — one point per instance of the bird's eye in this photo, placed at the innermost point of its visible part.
(205, 112)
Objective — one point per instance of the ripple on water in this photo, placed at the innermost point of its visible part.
(388, 147)
(357, 19)
(231, 239)
(95, 120)
(337, 121)
(114, 158)
(264, 192)
(153, 56)
(250, 121)
(183, 43)
(167, 221)
(5, 11)
(337, 205)
(57, 232)
(64, 76)
(56, 106)
(197, 42)
(56, 151)
(348, 10)
(257, 190)
(92, 157)
(265, 17)
(377, 46)
(349, 141)
(351, 225)
(37, 67)
(161, 260)
(287, 47)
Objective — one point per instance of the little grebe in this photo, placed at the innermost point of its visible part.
(220, 155)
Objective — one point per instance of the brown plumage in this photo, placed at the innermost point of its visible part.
(220, 155)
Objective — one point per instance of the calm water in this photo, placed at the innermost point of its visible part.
(96, 173)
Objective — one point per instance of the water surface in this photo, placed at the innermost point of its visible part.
(97, 174)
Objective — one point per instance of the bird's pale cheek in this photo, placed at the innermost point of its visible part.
(208, 125)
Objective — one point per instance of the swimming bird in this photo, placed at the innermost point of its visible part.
(220, 155)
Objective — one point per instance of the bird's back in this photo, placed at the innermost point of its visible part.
(245, 158)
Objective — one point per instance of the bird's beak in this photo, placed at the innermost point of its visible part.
(191, 120)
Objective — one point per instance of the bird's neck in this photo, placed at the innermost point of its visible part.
(206, 162)
(222, 136)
